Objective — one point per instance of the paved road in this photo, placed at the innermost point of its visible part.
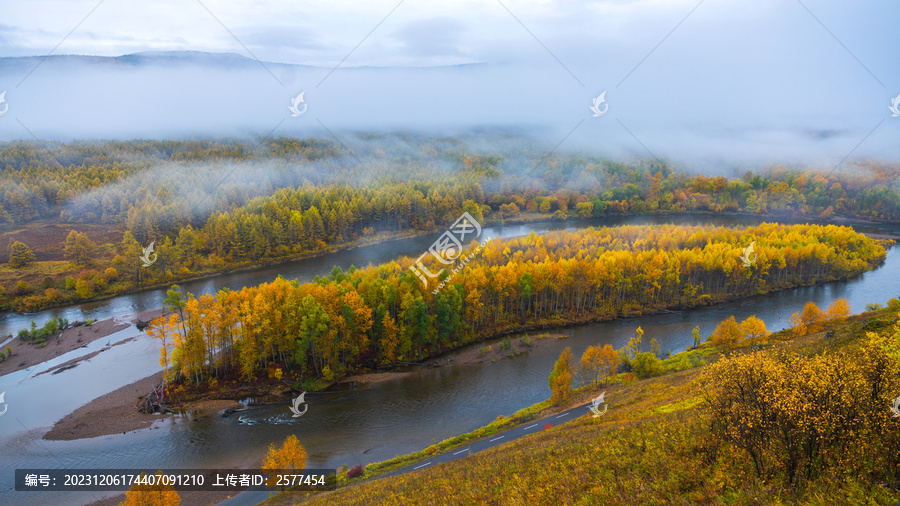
(252, 498)
(496, 439)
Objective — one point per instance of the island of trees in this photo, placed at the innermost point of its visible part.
(381, 315)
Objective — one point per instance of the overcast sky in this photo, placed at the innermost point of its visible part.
(416, 32)
(762, 76)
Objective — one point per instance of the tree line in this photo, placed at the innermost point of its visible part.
(382, 314)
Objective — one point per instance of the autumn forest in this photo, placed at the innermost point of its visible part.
(76, 217)
(381, 314)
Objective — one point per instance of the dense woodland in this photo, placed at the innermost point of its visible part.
(210, 206)
(382, 314)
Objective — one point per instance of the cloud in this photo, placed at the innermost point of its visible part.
(432, 39)
(718, 80)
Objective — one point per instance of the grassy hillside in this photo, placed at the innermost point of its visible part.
(659, 442)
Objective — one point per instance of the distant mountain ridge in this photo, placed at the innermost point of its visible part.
(177, 58)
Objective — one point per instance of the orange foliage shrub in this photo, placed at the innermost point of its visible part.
(152, 495)
(839, 309)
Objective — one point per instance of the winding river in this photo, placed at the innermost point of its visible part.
(343, 427)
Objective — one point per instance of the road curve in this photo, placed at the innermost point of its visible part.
(252, 498)
(496, 439)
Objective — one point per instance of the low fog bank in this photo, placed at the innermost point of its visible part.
(191, 95)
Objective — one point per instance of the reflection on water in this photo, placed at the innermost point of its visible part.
(364, 425)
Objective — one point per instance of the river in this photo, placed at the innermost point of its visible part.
(346, 427)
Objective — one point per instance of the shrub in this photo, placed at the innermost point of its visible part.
(526, 341)
(684, 361)
(23, 288)
(647, 365)
(312, 385)
(801, 416)
(52, 295)
(627, 354)
(355, 471)
(894, 304)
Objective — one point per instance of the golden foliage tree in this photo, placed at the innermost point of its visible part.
(609, 361)
(590, 368)
(20, 254)
(79, 248)
(152, 495)
(728, 333)
(838, 310)
(290, 455)
(811, 318)
(755, 331)
(797, 325)
(165, 331)
(561, 377)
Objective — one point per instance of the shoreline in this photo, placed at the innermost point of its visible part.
(526, 219)
(116, 412)
(26, 354)
(466, 355)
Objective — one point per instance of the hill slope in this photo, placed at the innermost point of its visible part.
(653, 446)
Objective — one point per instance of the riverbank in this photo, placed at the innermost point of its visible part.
(116, 412)
(524, 218)
(39, 270)
(26, 354)
(113, 413)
